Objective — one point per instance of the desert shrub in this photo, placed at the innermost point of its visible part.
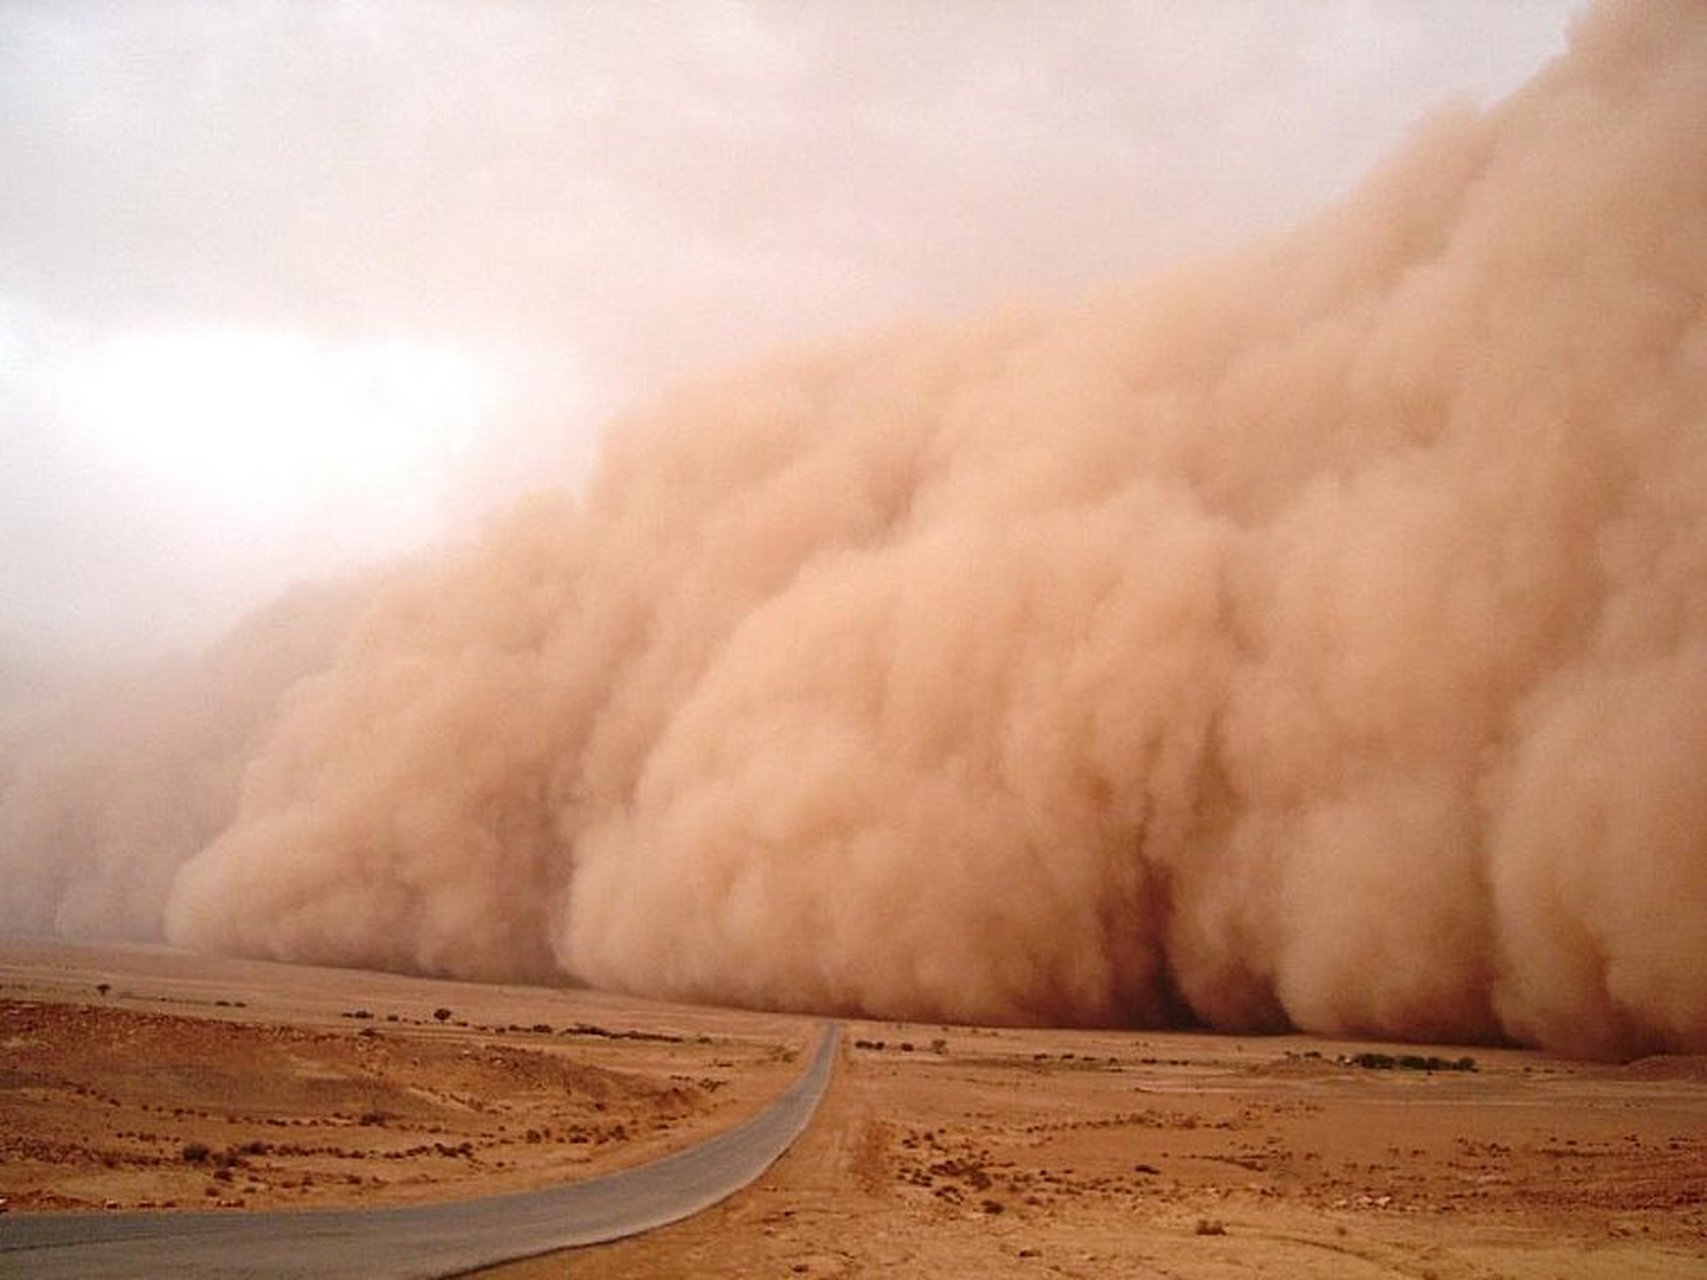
(442, 1014)
(1409, 1062)
(196, 1152)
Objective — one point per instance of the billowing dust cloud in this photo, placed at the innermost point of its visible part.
(1313, 637)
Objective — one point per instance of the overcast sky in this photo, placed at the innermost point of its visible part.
(288, 286)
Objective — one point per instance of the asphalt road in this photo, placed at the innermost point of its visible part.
(416, 1240)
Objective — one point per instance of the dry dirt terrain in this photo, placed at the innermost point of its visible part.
(1028, 1153)
(938, 1151)
(133, 1078)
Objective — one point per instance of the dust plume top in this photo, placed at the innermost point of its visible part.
(1313, 636)
(290, 289)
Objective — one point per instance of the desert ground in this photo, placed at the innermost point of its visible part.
(143, 1078)
(136, 1078)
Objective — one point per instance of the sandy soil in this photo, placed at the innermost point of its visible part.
(996, 1153)
(135, 1078)
(937, 1152)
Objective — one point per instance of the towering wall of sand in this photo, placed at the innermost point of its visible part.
(1313, 636)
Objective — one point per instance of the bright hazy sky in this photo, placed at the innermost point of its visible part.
(290, 286)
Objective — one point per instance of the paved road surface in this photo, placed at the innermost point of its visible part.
(415, 1240)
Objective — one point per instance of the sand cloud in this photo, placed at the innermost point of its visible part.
(1313, 636)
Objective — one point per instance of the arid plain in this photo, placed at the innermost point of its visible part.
(143, 1078)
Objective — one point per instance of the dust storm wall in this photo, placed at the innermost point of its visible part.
(1314, 636)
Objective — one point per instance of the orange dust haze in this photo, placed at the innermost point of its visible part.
(1315, 636)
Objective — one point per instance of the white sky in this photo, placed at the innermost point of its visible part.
(287, 286)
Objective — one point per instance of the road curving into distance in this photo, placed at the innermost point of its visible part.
(416, 1240)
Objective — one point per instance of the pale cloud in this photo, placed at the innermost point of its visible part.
(593, 199)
